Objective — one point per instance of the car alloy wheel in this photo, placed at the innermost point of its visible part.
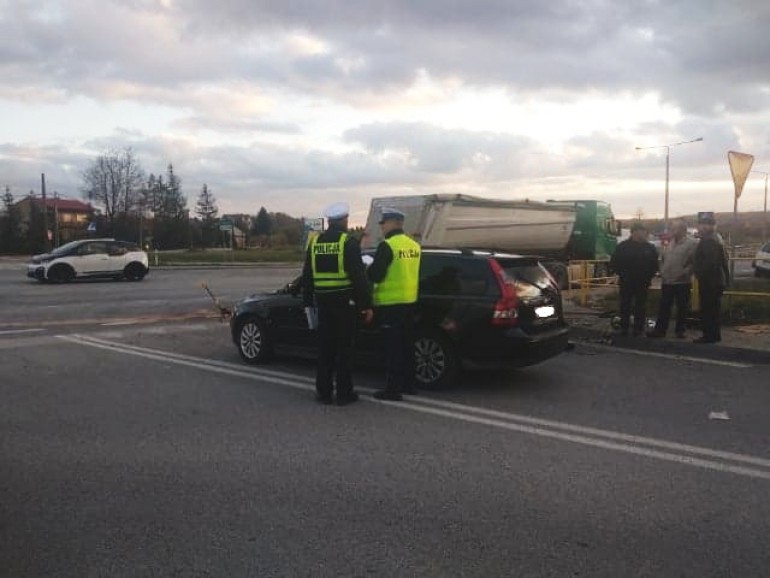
(253, 342)
(134, 272)
(436, 365)
(60, 274)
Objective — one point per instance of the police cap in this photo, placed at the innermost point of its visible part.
(390, 214)
(337, 211)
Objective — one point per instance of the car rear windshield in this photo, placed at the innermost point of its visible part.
(529, 278)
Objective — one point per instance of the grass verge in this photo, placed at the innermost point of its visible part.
(171, 258)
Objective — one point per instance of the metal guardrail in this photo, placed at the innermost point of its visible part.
(580, 276)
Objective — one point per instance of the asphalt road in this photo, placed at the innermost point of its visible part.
(144, 447)
(163, 294)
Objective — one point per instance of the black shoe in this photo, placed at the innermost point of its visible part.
(387, 395)
(409, 391)
(655, 334)
(323, 399)
(351, 397)
(704, 340)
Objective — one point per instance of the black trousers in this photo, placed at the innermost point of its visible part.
(397, 325)
(678, 294)
(633, 296)
(336, 332)
(710, 310)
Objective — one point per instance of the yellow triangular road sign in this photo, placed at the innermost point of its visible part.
(740, 166)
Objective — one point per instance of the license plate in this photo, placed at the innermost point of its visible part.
(545, 311)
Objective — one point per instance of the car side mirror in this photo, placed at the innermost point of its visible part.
(292, 289)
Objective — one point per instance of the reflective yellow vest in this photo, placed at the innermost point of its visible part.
(401, 282)
(337, 278)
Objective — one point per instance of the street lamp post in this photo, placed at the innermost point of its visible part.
(764, 220)
(668, 155)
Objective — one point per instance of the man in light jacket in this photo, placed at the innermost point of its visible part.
(676, 276)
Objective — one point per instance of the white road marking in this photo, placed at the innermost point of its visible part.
(14, 331)
(588, 436)
(673, 356)
(154, 330)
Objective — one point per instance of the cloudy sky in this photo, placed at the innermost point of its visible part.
(293, 104)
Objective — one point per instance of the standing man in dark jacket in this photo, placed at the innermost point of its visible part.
(395, 273)
(713, 273)
(635, 261)
(334, 281)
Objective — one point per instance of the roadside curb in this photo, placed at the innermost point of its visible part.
(718, 352)
(207, 266)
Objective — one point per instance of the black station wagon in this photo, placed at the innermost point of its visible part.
(474, 307)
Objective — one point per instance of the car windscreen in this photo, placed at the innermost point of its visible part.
(530, 279)
(66, 248)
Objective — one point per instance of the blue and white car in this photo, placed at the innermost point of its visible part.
(90, 258)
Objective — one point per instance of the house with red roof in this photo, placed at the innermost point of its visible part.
(68, 219)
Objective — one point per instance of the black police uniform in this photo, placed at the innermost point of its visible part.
(338, 309)
(397, 324)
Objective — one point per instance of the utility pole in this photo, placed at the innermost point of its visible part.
(57, 238)
(45, 212)
(668, 163)
(764, 216)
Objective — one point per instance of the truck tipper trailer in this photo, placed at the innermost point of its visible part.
(556, 231)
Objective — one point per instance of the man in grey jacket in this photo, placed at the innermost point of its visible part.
(676, 276)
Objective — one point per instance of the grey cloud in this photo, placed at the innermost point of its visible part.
(436, 150)
(700, 55)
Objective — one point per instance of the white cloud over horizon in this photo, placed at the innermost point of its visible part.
(292, 106)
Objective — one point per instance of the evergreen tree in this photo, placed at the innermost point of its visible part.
(164, 198)
(35, 241)
(206, 207)
(10, 231)
(263, 224)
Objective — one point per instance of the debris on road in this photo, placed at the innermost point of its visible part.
(224, 312)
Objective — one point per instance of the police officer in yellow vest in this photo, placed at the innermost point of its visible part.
(395, 273)
(334, 281)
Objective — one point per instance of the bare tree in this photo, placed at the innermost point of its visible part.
(114, 181)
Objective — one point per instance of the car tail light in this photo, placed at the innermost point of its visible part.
(505, 312)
